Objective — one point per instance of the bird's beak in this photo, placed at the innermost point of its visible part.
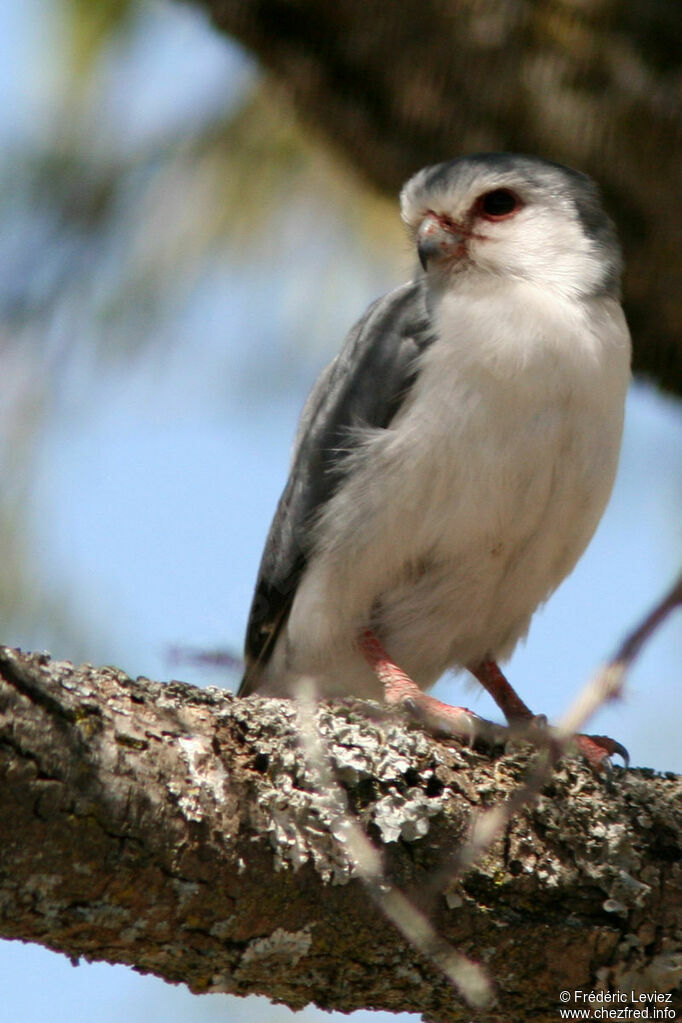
(438, 240)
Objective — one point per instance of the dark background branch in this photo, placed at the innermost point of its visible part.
(395, 86)
(181, 831)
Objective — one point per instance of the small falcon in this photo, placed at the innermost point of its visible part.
(453, 461)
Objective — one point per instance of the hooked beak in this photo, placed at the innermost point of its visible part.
(438, 240)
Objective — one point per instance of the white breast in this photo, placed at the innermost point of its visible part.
(458, 520)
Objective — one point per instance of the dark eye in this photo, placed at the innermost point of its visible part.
(498, 204)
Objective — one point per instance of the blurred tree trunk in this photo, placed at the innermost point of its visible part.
(188, 834)
(592, 83)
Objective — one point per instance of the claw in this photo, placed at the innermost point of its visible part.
(595, 748)
(410, 704)
(609, 747)
(438, 717)
(598, 748)
(441, 718)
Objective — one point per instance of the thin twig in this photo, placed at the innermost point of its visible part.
(607, 684)
(468, 977)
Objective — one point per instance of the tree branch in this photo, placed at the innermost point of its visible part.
(183, 832)
(395, 86)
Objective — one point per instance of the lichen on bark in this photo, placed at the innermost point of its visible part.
(184, 832)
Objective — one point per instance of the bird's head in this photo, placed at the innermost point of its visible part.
(512, 216)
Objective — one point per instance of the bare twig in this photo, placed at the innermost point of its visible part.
(606, 685)
(470, 979)
(220, 658)
(609, 681)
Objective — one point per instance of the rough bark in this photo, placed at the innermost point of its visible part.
(183, 832)
(394, 86)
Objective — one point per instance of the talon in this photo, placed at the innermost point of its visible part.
(610, 747)
(597, 749)
(442, 719)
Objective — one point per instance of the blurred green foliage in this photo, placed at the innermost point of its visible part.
(138, 174)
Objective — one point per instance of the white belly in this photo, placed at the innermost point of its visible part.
(457, 521)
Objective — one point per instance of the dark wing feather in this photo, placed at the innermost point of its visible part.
(364, 386)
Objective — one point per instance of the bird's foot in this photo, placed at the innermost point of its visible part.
(437, 717)
(598, 750)
(443, 719)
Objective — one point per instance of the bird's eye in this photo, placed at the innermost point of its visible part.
(498, 204)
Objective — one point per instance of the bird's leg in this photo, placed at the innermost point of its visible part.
(439, 717)
(493, 680)
(595, 748)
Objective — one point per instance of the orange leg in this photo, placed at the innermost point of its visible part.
(595, 748)
(510, 703)
(438, 717)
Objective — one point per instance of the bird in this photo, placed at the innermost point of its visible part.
(453, 461)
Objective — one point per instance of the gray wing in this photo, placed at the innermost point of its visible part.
(364, 386)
